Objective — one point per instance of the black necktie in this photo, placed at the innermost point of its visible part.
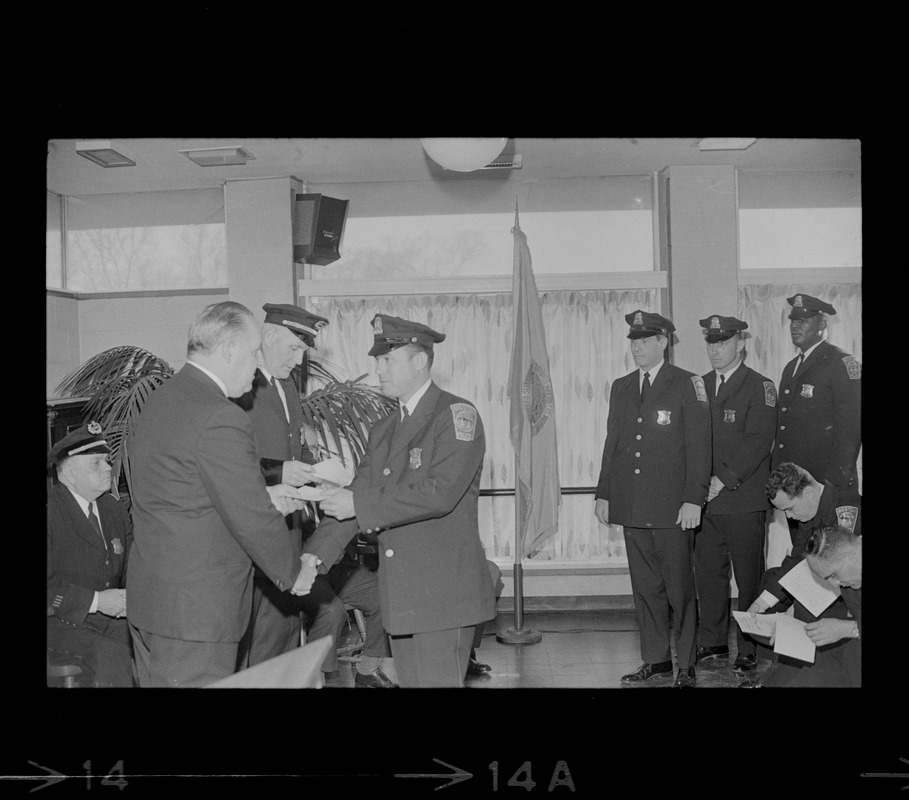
(798, 364)
(93, 520)
(645, 385)
(404, 413)
(720, 384)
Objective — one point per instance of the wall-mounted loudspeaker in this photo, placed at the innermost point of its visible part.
(318, 227)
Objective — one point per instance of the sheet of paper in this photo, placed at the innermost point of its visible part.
(791, 639)
(757, 624)
(333, 470)
(811, 591)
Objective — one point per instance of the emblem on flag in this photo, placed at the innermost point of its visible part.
(536, 397)
(807, 390)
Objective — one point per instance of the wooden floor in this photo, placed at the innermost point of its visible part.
(579, 649)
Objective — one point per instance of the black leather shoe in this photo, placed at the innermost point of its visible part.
(744, 662)
(475, 668)
(648, 671)
(375, 680)
(712, 653)
(685, 679)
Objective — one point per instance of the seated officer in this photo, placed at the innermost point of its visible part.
(88, 539)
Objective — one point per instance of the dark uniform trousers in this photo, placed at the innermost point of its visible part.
(434, 659)
(724, 536)
(662, 578)
(346, 585)
(101, 646)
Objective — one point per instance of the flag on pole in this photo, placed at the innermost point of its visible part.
(537, 490)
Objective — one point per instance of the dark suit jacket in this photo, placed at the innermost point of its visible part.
(201, 515)
(744, 422)
(277, 440)
(78, 565)
(657, 456)
(417, 487)
(820, 415)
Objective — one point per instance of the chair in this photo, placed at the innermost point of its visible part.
(298, 669)
(351, 650)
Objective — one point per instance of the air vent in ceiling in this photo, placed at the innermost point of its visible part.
(505, 161)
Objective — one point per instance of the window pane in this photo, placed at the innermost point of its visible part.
(54, 244)
(154, 240)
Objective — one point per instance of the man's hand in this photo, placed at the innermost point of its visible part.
(284, 498)
(758, 607)
(716, 486)
(828, 631)
(601, 511)
(339, 504)
(112, 602)
(296, 473)
(689, 516)
(307, 575)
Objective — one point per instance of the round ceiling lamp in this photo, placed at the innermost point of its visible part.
(463, 154)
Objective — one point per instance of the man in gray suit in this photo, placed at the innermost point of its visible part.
(201, 511)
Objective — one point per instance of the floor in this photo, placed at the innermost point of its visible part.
(578, 649)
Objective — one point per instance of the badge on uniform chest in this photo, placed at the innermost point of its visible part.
(728, 415)
(807, 390)
(416, 458)
(663, 417)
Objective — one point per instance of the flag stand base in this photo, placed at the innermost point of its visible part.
(519, 636)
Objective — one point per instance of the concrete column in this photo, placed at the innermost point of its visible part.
(258, 216)
(702, 254)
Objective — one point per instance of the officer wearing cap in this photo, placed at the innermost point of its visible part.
(819, 420)
(273, 405)
(89, 535)
(653, 481)
(743, 407)
(416, 487)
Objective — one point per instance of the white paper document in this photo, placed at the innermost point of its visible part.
(334, 471)
(811, 591)
(755, 624)
(791, 639)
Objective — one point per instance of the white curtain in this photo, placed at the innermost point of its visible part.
(769, 349)
(585, 336)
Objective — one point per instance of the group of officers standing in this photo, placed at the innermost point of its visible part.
(691, 466)
(217, 568)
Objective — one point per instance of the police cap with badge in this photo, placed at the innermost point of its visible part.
(86, 440)
(390, 333)
(718, 329)
(804, 306)
(645, 323)
(298, 320)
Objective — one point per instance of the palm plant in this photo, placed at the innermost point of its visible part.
(118, 381)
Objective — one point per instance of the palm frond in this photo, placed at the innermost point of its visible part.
(109, 366)
(345, 411)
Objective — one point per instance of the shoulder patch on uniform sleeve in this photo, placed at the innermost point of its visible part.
(465, 421)
(699, 388)
(853, 367)
(847, 516)
(769, 394)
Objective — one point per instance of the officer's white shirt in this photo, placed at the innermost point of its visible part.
(411, 404)
(653, 371)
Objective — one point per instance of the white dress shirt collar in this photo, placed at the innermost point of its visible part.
(411, 404)
(211, 375)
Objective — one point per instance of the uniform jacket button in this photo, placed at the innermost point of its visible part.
(386, 471)
(389, 553)
(640, 419)
(637, 472)
(638, 436)
(637, 455)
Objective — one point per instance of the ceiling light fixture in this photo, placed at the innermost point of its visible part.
(103, 154)
(219, 156)
(463, 154)
(732, 143)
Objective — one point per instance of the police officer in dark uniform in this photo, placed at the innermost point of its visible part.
(89, 535)
(743, 409)
(819, 420)
(653, 481)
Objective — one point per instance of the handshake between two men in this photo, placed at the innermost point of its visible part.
(303, 484)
